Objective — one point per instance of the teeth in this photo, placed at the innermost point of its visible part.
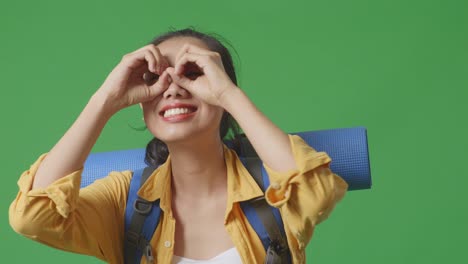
(175, 111)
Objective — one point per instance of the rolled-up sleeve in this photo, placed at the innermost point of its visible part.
(86, 221)
(306, 195)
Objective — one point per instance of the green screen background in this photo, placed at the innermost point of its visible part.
(398, 68)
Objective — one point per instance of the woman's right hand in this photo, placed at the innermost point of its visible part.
(132, 81)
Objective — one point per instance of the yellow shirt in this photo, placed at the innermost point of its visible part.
(91, 220)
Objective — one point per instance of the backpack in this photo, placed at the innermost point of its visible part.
(142, 217)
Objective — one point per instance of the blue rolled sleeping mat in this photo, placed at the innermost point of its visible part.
(347, 148)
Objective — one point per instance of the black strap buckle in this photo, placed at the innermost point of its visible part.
(149, 254)
(276, 253)
(142, 207)
(138, 241)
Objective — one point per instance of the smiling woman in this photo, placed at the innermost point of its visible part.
(186, 84)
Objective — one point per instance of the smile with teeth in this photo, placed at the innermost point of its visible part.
(177, 111)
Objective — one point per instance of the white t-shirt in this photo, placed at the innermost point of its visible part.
(230, 256)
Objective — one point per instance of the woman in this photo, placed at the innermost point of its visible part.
(201, 182)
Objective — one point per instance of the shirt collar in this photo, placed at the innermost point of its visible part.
(240, 184)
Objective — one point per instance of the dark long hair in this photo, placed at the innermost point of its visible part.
(156, 150)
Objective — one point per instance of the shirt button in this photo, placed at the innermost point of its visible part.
(275, 186)
(167, 244)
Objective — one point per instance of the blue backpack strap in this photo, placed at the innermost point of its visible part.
(141, 219)
(265, 219)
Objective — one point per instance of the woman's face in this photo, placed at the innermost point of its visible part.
(176, 115)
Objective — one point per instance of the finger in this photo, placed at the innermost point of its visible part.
(160, 86)
(190, 48)
(199, 60)
(211, 55)
(135, 60)
(162, 63)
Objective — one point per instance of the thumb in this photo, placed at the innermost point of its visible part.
(180, 80)
(160, 86)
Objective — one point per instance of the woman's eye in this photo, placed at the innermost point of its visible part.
(150, 78)
(193, 75)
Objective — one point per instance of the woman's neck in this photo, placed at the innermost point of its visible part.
(198, 168)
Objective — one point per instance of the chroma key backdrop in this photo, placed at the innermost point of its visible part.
(398, 68)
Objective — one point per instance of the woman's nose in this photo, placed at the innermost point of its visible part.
(175, 91)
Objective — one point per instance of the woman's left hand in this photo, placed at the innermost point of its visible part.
(201, 72)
